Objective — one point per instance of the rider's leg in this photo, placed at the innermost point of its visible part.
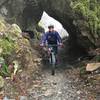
(56, 54)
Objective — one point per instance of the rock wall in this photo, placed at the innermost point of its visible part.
(27, 13)
(14, 47)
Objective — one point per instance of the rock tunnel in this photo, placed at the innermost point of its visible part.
(65, 16)
(29, 12)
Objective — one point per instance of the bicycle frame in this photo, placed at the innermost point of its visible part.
(52, 57)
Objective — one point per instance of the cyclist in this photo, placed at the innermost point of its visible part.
(51, 37)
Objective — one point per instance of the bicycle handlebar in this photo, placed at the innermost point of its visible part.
(46, 45)
(52, 45)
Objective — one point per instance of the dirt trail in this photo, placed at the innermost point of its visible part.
(58, 87)
(43, 86)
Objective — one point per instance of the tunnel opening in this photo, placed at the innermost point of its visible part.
(74, 47)
(47, 20)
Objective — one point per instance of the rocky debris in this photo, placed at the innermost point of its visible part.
(5, 98)
(25, 35)
(89, 78)
(16, 65)
(59, 87)
(23, 98)
(2, 26)
(79, 92)
(1, 82)
(49, 92)
(38, 60)
(92, 66)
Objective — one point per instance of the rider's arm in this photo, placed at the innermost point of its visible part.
(58, 37)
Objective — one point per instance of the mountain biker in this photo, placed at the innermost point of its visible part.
(51, 37)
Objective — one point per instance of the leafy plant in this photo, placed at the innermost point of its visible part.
(3, 67)
(90, 10)
(7, 46)
(4, 70)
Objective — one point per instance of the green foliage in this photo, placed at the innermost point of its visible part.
(7, 46)
(90, 10)
(4, 70)
(82, 70)
(97, 58)
(3, 67)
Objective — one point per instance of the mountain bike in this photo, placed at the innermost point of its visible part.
(52, 57)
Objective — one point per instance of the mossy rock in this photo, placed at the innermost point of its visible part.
(7, 46)
(14, 32)
(2, 25)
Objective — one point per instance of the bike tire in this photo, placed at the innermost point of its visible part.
(53, 70)
(53, 62)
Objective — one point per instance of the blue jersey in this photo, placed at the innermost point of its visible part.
(51, 38)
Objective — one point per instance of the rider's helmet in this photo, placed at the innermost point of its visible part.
(50, 26)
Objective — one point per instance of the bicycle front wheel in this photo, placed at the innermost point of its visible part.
(53, 60)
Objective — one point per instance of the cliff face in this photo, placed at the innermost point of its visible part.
(26, 13)
(22, 12)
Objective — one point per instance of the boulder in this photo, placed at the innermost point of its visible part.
(14, 32)
(92, 66)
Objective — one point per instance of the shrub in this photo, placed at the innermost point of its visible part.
(7, 46)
